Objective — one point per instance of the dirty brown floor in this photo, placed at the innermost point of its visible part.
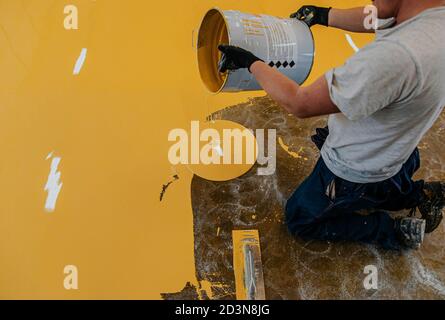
(294, 269)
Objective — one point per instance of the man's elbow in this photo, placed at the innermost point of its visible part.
(297, 109)
(302, 113)
(297, 105)
(312, 101)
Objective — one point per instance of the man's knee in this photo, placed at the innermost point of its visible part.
(309, 202)
(299, 218)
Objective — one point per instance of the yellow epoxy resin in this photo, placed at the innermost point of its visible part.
(216, 157)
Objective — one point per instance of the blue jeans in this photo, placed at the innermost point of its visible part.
(327, 207)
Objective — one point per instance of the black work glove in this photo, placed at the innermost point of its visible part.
(313, 15)
(235, 58)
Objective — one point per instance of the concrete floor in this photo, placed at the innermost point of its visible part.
(294, 269)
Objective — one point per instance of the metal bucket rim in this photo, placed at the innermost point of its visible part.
(221, 13)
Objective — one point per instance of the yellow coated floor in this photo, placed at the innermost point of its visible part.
(109, 126)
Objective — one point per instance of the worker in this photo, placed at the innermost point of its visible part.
(380, 103)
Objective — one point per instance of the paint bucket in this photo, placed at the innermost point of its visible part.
(284, 44)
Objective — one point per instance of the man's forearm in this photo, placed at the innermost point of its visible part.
(280, 88)
(303, 102)
(349, 19)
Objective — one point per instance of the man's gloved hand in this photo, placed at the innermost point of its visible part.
(235, 58)
(313, 15)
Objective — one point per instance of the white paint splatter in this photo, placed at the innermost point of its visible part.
(219, 150)
(217, 147)
(80, 61)
(425, 276)
(53, 185)
(351, 43)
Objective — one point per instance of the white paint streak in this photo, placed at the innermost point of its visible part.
(351, 43)
(53, 185)
(80, 61)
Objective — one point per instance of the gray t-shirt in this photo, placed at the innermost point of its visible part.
(390, 94)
